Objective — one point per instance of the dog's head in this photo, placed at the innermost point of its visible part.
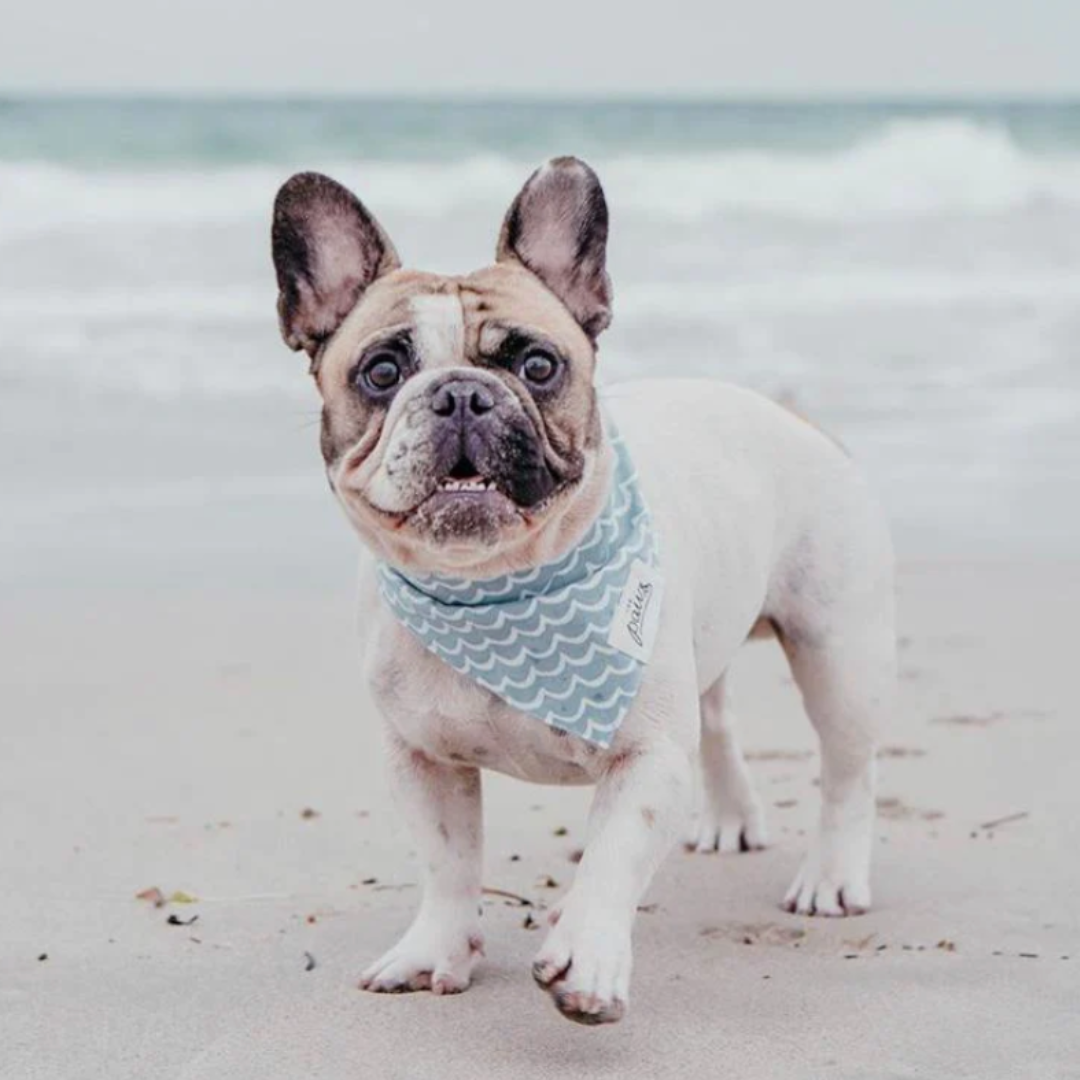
(460, 426)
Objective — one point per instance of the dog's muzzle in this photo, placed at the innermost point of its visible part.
(483, 438)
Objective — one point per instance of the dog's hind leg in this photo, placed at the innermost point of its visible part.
(847, 675)
(731, 815)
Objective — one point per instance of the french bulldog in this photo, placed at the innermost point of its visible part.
(464, 436)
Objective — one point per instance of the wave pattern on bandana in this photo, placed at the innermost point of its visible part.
(539, 639)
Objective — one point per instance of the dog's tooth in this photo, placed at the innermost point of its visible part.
(450, 484)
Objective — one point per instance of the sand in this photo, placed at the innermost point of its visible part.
(174, 739)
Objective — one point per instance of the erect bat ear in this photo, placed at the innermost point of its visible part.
(557, 227)
(327, 250)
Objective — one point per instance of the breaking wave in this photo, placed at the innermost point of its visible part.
(907, 168)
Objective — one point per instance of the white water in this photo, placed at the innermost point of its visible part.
(908, 168)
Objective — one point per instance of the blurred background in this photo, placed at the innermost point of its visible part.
(876, 217)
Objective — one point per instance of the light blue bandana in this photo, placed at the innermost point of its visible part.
(565, 642)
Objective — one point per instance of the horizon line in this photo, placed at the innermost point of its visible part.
(494, 97)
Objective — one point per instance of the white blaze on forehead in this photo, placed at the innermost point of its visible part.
(439, 329)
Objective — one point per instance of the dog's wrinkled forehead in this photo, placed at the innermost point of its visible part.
(450, 321)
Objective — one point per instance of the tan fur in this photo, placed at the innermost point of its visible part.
(498, 297)
(494, 301)
(386, 305)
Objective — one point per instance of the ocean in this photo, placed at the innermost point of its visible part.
(907, 274)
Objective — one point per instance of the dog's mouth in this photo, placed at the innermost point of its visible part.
(482, 491)
(470, 504)
(465, 479)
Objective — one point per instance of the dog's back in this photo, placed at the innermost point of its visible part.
(743, 489)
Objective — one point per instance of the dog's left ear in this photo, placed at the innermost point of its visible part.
(327, 250)
(557, 227)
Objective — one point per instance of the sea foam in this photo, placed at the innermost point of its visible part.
(907, 168)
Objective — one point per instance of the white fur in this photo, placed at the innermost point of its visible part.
(758, 514)
(439, 329)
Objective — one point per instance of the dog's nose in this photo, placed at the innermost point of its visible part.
(461, 397)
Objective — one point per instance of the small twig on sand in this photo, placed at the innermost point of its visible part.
(521, 901)
(245, 899)
(1008, 820)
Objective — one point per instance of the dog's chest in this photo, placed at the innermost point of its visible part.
(452, 719)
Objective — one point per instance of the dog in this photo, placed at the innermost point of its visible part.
(464, 436)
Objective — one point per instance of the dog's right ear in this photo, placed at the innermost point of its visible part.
(327, 250)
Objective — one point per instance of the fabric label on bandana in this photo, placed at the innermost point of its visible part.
(565, 642)
(637, 618)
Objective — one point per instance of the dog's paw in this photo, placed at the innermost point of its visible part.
(428, 957)
(585, 966)
(831, 892)
(729, 833)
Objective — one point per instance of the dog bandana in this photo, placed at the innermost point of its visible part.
(565, 642)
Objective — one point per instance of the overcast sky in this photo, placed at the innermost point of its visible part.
(815, 47)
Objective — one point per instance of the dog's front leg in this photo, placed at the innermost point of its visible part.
(640, 807)
(441, 804)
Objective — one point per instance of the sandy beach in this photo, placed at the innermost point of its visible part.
(219, 743)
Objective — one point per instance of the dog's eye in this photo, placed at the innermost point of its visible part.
(382, 371)
(538, 366)
(384, 374)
